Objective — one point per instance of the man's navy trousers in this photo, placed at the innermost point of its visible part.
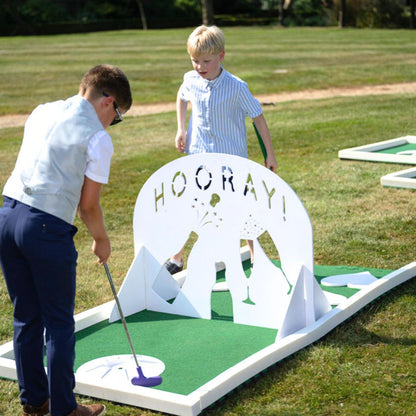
(38, 259)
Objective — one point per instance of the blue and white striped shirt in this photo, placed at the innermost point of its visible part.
(219, 109)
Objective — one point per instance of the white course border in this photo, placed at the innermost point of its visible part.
(204, 396)
(402, 179)
(370, 153)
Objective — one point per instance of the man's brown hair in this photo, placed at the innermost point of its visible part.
(110, 80)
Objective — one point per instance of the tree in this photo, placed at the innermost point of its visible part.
(207, 12)
(342, 18)
(142, 14)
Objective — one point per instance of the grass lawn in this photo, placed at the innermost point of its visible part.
(43, 68)
(366, 365)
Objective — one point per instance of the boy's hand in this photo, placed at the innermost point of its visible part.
(180, 141)
(271, 163)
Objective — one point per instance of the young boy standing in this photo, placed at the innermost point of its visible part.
(63, 161)
(220, 103)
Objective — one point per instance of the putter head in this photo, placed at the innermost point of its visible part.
(144, 381)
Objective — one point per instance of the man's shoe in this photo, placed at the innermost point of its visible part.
(88, 410)
(43, 410)
(172, 268)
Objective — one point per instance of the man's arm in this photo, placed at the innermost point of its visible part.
(90, 212)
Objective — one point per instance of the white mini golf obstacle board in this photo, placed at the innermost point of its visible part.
(223, 199)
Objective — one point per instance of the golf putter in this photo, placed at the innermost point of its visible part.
(141, 380)
(263, 149)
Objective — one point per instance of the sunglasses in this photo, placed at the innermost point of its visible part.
(117, 118)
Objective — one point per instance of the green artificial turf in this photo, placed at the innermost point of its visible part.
(193, 350)
(396, 149)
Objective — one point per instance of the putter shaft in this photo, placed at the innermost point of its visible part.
(123, 320)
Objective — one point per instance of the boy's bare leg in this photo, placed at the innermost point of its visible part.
(251, 248)
(178, 256)
(175, 264)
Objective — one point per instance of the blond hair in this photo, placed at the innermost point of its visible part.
(206, 40)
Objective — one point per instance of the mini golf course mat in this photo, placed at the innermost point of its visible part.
(194, 350)
(398, 150)
(204, 359)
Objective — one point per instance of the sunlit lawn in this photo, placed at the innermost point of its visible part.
(38, 69)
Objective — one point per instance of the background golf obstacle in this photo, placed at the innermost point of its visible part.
(403, 179)
(401, 150)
